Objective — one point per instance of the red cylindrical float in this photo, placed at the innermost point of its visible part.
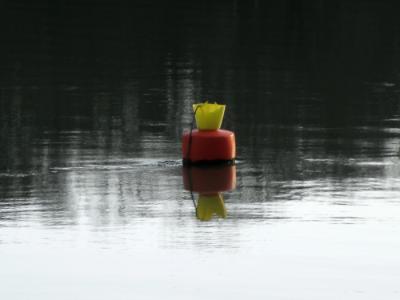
(208, 146)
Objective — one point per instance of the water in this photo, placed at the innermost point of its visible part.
(93, 102)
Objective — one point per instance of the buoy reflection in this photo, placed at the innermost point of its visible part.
(209, 182)
(210, 205)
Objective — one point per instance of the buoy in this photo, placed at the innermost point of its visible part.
(208, 144)
(207, 147)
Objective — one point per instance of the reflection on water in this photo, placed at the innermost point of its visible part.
(210, 205)
(209, 182)
(93, 102)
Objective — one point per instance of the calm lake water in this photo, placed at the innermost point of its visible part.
(94, 97)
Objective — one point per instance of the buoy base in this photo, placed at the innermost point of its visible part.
(208, 147)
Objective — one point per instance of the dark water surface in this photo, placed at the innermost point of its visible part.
(94, 97)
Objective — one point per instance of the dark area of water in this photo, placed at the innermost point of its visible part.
(124, 69)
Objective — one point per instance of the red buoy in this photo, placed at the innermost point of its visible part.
(208, 146)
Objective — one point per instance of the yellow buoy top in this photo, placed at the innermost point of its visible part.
(208, 116)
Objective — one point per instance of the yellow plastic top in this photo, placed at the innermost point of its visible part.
(209, 116)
